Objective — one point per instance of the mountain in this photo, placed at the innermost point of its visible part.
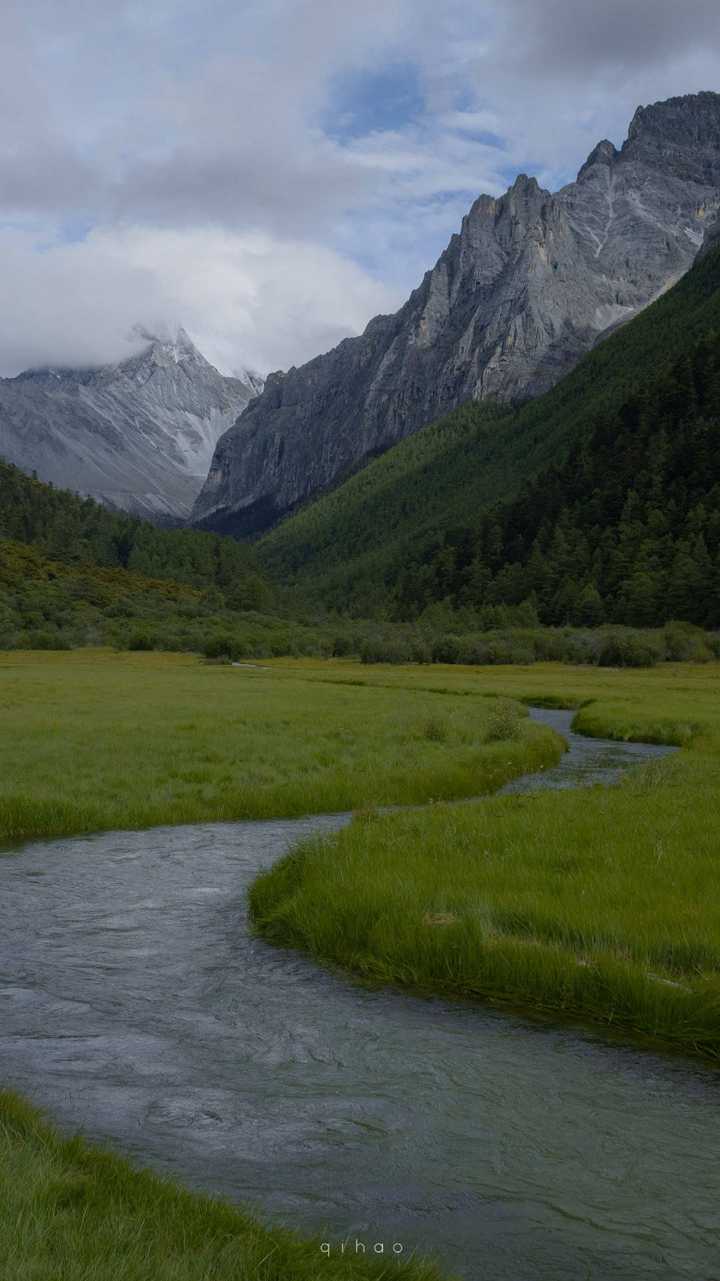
(529, 285)
(138, 435)
(251, 378)
(408, 530)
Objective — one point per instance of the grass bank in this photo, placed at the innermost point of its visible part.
(602, 905)
(69, 1212)
(93, 740)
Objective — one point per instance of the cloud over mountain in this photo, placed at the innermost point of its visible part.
(278, 172)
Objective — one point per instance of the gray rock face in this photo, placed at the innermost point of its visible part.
(530, 283)
(138, 435)
(712, 238)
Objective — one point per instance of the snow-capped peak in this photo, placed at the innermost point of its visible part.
(175, 344)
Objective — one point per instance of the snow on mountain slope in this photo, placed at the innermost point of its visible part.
(138, 435)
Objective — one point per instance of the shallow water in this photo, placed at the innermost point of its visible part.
(135, 1005)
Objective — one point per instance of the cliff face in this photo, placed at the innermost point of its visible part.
(138, 435)
(527, 286)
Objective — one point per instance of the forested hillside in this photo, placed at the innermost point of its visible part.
(409, 529)
(73, 573)
(79, 531)
(627, 530)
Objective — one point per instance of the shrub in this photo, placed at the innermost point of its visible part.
(385, 651)
(47, 640)
(420, 651)
(447, 649)
(506, 649)
(140, 641)
(580, 647)
(627, 651)
(685, 643)
(341, 647)
(220, 647)
(473, 651)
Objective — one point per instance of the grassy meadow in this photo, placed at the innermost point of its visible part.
(69, 1212)
(94, 740)
(601, 905)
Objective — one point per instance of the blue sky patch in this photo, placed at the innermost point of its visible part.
(365, 102)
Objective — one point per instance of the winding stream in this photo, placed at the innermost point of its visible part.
(135, 1005)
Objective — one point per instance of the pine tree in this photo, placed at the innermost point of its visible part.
(590, 608)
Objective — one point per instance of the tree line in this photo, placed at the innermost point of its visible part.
(626, 530)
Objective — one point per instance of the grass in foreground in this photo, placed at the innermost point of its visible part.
(93, 740)
(69, 1212)
(602, 904)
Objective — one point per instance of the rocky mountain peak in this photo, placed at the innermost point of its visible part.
(524, 186)
(138, 434)
(683, 133)
(605, 153)
(162, 351)
(528, 286)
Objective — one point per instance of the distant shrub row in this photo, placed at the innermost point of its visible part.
(602, 647)
(49, 605)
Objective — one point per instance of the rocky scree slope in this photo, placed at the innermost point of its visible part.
(138, 435)
(527, 287)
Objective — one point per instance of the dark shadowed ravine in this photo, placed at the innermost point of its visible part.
(136, 1006)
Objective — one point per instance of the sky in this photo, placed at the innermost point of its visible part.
(272, 173)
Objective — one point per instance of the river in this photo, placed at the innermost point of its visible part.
(137, 1007)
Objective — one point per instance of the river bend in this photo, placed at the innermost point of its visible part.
(136, 1006)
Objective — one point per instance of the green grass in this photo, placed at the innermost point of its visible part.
(93, 740)
(602, 905)
(69, 1212)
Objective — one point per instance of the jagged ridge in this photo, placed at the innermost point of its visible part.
(527, 286)
(353, 547)
(138, 435)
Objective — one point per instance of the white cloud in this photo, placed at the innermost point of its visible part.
(248, 299)
(198, 145)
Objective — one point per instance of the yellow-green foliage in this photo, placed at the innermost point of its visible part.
(69, 1212)
(94, 740)
(47, 603)
(602, 903)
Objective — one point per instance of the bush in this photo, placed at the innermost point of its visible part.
(140, 641)
(580, 647)
(685, 643)
(385, 651)
(506, 649)
(627, 651)
(420, 651)
(447, 649)
(47, 640)
(220, 647)
(341, 647)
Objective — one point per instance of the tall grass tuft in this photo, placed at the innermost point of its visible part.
(71, 1212)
